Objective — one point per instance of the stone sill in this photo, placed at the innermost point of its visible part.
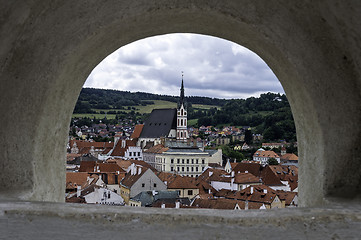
(43, 220)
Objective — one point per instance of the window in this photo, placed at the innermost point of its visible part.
(187, 161)
(190, 192)
(154, 185)
(143, 184)
(202, 161)
(181, 122)
(197, 161)
(187, 169)
(178, 160)
(196, 169)
(182, 169)
(138, 154)
(182, 161)
(171, 169)
(108, 194)
(192, 169)
(172, 161)
(177, 169)
(130, 154)
(192, 161)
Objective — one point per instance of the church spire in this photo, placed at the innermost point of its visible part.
(182, 92)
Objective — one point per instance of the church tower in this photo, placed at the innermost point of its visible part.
(182, 132)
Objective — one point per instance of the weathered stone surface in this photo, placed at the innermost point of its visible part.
(74, 221)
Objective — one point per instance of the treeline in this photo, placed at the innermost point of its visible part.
(269, 115)
(91, 98)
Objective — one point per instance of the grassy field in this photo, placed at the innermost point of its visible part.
(192, 122)
(140, 109)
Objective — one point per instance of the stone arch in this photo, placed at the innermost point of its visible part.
(48, 50)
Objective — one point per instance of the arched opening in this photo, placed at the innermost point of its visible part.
(46, 71)
(209, 56)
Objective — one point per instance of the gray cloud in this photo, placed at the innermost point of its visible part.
(212, 67)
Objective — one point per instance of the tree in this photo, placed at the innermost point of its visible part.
(248, 136)
(272, 161)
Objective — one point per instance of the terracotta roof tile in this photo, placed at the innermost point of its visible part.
(130, 179)
(137, 131)
(229, 204)
(182, 183)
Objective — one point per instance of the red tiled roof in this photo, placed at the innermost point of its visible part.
(74, 179)
(289, 157)
(159, 148)
(214, 174)
(90, 166)
(269, 178)
(270, 154)
(130, 179)
(254, 168)
(258, 194)
(137, 131)
(182, 183)
(119, 150)
(218, 203)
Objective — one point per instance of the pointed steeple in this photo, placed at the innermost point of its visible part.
(181, 102)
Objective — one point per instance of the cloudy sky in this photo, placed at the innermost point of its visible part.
(212, 67)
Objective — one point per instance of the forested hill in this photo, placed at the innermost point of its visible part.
(269, 114)
(91, 98)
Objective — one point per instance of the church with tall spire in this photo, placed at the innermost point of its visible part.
(166, 146)
(182, 132)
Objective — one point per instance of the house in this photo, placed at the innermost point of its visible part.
(137, 180)
(262, 156)
(97, 149)
(149, 155)
(229, 204)
(101, 195)
(223, 140)
(126, 149)
(234, 181)
(274, 145)
(259, 194)
(148, 198)
(185, 186)
(245, 146)
(288, 175)
(289, 158)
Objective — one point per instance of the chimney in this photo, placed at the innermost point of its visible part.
(210, 173)
(78, 191)
(251, 190)
(166, 183)
(139, 170)
(232, 174)
(246, 205)
(265, 191)
(123, 143)
(163, 205)
(177, 205)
